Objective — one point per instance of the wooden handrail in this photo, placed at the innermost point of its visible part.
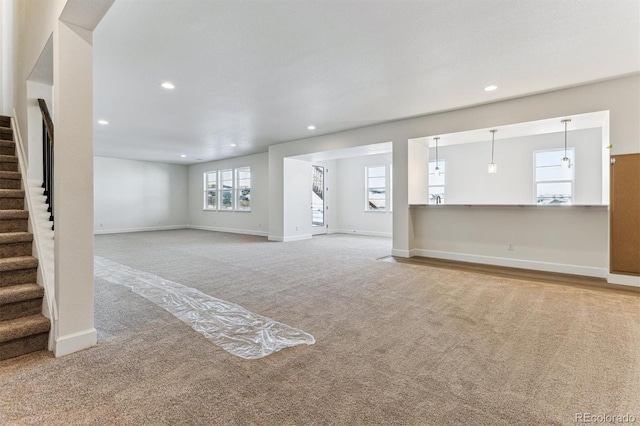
(47, 156)
(46, 117)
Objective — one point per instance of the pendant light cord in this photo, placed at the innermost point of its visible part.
(565, 138)
(493, 136)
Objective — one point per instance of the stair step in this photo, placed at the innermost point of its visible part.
(18, 270)
(20, 301)
(24, 335)
(15, 244)
(19, 293)
(7, 147)
(10, 175)
(10, 180)
(8, 163)
(13, 220)
(23, 327)
(15, 237)
(13, 214)
(11, 193)
(5, 121)
(6, 136)
(11, 199)
(18, 263)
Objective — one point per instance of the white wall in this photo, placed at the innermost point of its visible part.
(467, 180)
(254, 222)
(138, 195)
(351, 214)
(566, 239)
(297, 201)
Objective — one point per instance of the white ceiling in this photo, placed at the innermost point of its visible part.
(257, 72)
(589, 120)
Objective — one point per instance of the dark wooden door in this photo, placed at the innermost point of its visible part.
(624, 256)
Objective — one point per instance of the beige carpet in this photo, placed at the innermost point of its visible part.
(395, 343)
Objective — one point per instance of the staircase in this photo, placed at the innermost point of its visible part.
(23, 328)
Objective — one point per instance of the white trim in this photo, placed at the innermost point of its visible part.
(297, 238)
(361, 232)
(629, 280)
(229, 230)
(402, 253)
(145, 229)
(75, 342)
(514, 263)
(289, 239)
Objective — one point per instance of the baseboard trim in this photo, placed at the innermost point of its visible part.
(280, 239)
(144, 229)
(513, 263)
(402, 253)
(297, 238)
(360, 232)
(230, 230)
(628, 280)
(75, 342)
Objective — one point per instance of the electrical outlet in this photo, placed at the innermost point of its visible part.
(297, 228)
(510, 247)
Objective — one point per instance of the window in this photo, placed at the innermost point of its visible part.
(375, 178)
(210, 190)
(226, 190)
(436, 183)
(554, 183)
(243, 189)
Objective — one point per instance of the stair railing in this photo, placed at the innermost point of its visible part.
(47, 156)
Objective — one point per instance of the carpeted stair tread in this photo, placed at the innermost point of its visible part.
(18, 263)
(20, 292)
(8, 159)
(15, 237)
(11, 193)
(7, 143)
(10, 175)
(13, 214)
(23, 327)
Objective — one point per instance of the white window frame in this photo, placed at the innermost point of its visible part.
(571, 154)
(237, 189)
(222, 190)
(438, 163)
(206, 190)
(367, 188)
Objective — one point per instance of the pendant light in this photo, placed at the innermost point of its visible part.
(565, 163)
(437, 169)
(493, 167)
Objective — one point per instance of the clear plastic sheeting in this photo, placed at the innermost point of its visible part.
(233, 328)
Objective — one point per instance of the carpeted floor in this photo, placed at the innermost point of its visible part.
(395, 343)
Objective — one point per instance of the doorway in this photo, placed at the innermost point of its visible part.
(318, 200)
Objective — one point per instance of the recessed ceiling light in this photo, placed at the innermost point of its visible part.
(105, 122)
(232, 145)
(490, 88)
(311, 127)
(168, 85)
(183, 156)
